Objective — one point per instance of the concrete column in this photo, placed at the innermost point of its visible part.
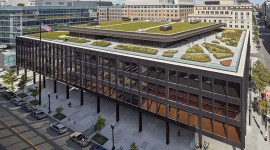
(81, 97)
(117, 112)
(34, 77)
(44, 82)
(98, 104)
(25, 72)
(55, 86)
(140, 121)
(67, 92)
(167, 132)
(39, 90)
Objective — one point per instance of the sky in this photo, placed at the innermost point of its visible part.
(257, 1)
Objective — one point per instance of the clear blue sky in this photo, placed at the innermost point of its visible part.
(257, 1)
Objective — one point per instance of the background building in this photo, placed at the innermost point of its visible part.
(16, 21)
(235, 15)
(146, 12)
(149, 2)
(7, 59)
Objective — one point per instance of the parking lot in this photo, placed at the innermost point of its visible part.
(18, 130)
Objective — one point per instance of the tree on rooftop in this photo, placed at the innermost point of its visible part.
(9, 78)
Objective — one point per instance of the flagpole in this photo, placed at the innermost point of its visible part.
(40, 47)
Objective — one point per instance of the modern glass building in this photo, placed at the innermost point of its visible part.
(8, 59)
(206, 96)
(16, 21)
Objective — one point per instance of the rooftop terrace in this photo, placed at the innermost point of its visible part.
(220, 50)
(145, 26)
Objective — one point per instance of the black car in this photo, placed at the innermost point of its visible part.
(28, 108)
(8, 95)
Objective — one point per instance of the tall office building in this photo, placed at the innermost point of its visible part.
(149, 2)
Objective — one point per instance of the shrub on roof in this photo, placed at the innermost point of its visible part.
(195, 49)
(214, 48)
(101, 43)
(216, 42)
(223, 55)
(138, 49)
(196, 57)
(172, 51)
(73, 39)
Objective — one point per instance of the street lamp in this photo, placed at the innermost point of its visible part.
(49, 96)
(112, 126)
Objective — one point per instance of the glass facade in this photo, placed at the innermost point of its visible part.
(186, 96)
(17, 21)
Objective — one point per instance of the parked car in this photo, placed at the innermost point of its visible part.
(28, 107)
(96, 147)
(79, 138)
(38, 114)
(8, 95)
(18, 101)
(3, 88)
(58, 127)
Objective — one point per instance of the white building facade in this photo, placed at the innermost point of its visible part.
(233, 14)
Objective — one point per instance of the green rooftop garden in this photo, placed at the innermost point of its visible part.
(102, 24)
(169, 53)
(138, 49)
(194, 49)
(230, 37)
(51, 35)
(179, 27)
(133, 26)
(101, 43)
(73, 39)
(201, 57)
(218, 51)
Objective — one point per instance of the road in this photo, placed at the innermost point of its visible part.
(18, 130)
(264, 51)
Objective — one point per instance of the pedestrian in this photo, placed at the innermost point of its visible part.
(56, 96)
(178, 132)
(69, 104)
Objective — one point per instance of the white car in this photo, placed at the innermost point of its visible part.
(79, 138)
(58, 127)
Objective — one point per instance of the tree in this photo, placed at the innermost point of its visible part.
(264, 107)
(9, 78)
(100, 124)
(260, 76)
(22, 82)
(59, 110)
(133, 146)
(35, 92)
(20, 4)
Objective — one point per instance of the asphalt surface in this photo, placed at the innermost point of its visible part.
(264, 51)
(19, 131)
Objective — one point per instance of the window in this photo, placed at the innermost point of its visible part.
(172, 94)
(207, 84)
(172, 112)
(207, 104)
(182, 78)
(234, 133)
(234, 111)
(183, 116)
(194, 80)
(220, 128)
(220, 86)
(182, 97)
(48, 3)
(220, 108)
(172, 76)
(194, 100)
(207, 124)
(234, 89)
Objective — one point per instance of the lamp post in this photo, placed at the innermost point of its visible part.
(49, 96)
(112, 126)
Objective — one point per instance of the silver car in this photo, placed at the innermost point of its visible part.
(58, 127)
(18, 101)
(79, 138)
(38, 114)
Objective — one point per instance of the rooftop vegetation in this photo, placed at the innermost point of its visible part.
(73, 39)
(179, 27)
(226, 62)
(231, 37)
(196, 57)
(214, 48)
(194, 49)
(138, 49)
(51, 35)
(133, 26)
(169, 53)
(101, 43)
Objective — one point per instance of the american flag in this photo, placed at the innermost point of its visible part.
(46, 27)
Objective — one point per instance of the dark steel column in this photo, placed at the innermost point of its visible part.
(55, 86)
(98, 104)
(200, 139)
(18, 70)
(67, 92)
(34, 77)
(117, 112)
(81, 97)
(44, 82)
(167, 132)
(140, 121)
(25, 72)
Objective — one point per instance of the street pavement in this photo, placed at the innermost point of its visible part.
(18, 130)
